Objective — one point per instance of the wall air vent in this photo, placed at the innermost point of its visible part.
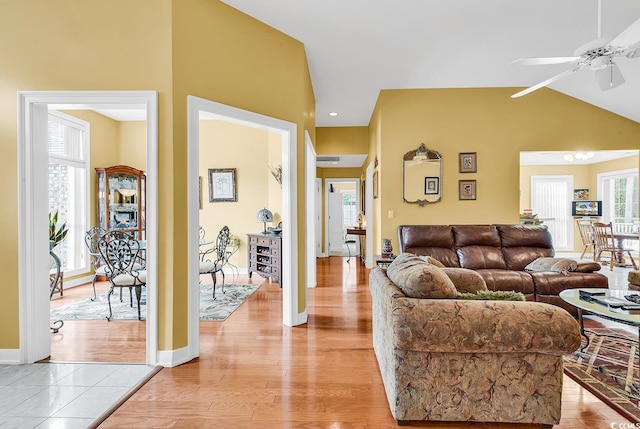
(327, 159)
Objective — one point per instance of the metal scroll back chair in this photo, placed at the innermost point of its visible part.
(586, 234)
(605, 242)
(91, 238)
(213, 266)
(121, 253)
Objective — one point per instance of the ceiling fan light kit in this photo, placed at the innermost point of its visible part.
(596, 55)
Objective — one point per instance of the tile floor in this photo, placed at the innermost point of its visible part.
(64, 395)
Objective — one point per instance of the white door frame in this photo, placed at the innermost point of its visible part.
(288, 131)
(310, 209)
(34, 324)
(369, 215)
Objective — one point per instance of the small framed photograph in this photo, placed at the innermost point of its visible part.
(222, 185)
(375, 184)
(466, 189)
(468, 162)
(431, 185)
(581, 194)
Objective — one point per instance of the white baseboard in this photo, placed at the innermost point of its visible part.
(10, 356)
(171, 358)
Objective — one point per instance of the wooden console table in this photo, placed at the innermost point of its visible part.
(361, 233)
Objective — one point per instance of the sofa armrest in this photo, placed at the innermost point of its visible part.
(482, 326)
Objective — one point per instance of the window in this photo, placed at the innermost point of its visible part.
(619, 193)
(348, 209)
(551, 200)
(68, 186)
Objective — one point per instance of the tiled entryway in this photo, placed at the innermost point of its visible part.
(65, 395)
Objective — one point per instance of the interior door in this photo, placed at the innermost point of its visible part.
(336, 239)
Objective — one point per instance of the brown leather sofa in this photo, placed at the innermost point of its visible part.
(500, 253)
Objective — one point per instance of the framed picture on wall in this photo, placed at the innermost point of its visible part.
(222, 185)
(431, 185)
(468, 162)
(200, 191)
(581, 194)
(466, 189)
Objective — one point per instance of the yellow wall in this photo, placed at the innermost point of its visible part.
(71, 45)
(133, 144)
(489, 122)
(342, 140)
(188, 47)
(228, 145)
(226, 56)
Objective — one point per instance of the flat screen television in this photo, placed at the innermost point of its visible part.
(586, 208)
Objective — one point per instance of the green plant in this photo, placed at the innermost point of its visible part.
(57, 233)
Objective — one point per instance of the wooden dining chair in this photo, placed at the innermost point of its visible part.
(605, 243)
(586, 234)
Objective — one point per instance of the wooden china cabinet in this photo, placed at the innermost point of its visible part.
(121, 199)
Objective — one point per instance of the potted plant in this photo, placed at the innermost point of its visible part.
(57, 233)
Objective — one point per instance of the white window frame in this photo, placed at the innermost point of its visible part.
(608, 210)
(85, 128)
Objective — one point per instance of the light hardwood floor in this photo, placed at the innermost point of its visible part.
(253, 372)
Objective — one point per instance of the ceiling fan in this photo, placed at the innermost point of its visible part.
(596, 55)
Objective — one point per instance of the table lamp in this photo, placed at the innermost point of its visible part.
(264, 216)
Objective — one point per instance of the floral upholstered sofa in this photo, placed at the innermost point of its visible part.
(448, 359)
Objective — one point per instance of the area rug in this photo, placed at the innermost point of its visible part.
(608, 368)
(210, 309)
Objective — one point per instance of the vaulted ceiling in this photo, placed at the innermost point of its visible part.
(355, 48)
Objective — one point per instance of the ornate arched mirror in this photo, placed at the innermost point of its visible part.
(421, 176)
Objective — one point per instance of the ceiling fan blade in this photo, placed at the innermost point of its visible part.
(544, 61)
(609, 77)
(630, 36)
(545, 83)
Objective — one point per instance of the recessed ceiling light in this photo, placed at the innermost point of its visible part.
(333, 113)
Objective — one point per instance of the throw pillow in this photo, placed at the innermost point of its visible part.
(465, 280)
(558, 265)
(419, 279)
(493, 295)
(431, 260)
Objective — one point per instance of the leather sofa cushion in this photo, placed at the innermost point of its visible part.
(433, 240)
(522, 244)
(419, 279)
(554, 283)
(478, 247)
(518, 281)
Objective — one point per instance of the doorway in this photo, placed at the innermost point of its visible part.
(33, 109)
(341, 197)
(291, 314)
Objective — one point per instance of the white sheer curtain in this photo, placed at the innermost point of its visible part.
(551, 198)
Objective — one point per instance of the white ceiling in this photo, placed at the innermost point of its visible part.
(355, 48)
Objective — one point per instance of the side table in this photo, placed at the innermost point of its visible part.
(383, 261)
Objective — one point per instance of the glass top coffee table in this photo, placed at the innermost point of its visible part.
(601, 309)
